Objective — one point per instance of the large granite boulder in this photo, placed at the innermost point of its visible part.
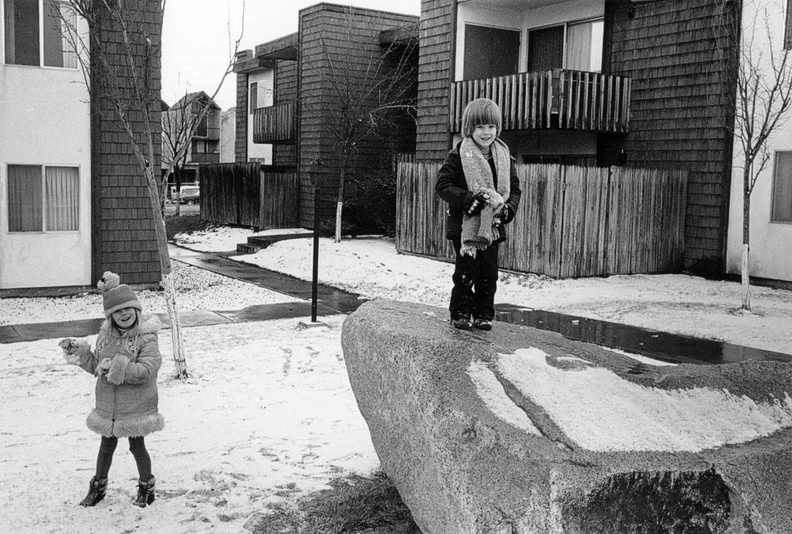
(522, 431)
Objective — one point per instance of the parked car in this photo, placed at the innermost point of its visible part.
(189, 194)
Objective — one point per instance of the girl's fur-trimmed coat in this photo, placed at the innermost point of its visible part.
(126, 396)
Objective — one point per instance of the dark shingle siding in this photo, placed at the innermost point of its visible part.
(351, 38)
(240, 143)
(286, 82)
(679, 115)
(434, 78)
(122, 224)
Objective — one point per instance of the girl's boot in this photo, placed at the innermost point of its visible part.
(96, 492)
(145, 492)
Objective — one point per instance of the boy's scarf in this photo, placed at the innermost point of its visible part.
(478, 231)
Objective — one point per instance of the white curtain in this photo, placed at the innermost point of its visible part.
(782, 187)
(578, 46)
(584, 46)
(60, 25)
(62, 188)
(24, 198)
(10, 32)
(69, 32)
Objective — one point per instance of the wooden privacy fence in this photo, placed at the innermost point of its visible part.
(248, 194)
(572, 221)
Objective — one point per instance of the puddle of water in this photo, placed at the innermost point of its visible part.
(658, 345)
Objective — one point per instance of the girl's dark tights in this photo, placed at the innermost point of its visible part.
(138, 447)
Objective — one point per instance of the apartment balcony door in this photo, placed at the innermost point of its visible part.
(490, 52)
(546, 49)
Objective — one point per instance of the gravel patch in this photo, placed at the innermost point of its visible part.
(197, 289)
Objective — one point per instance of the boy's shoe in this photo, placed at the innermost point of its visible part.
(462, 323)
(483, 324)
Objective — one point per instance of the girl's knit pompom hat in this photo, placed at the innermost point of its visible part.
(116, 295)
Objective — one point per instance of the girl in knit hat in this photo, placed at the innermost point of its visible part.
(125, 361)
(479, 182)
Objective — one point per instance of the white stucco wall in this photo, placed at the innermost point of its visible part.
(227, 136)
(770, 242)
(522, 19)
(266, 79)
(44, 120)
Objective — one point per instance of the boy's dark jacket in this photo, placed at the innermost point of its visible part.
(452, 187)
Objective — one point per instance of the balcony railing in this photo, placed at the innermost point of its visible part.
(554, 99)
(274, 124)
(205, 157)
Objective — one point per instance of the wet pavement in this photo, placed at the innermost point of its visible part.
(658, 345)
(331, 301)
(328, 298)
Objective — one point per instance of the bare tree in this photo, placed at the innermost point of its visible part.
(180, 124)
(369, 91)
(127, 88)
(763, 100)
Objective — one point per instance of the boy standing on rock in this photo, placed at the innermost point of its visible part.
(479, 182)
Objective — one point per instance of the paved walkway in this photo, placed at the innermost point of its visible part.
(331, 301)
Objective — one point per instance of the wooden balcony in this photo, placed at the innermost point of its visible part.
(554, 99)
(274, 124)
(205, 158)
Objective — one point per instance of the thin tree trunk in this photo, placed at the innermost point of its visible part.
(163, 190)
(744, 273)
(173, 315)
(340, 199)
(177, 179)
(167, 277)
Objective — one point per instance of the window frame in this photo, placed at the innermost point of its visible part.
(44, 198)
(253, 96)
(469, 63)
(42, 6)
(565, 42)
(774, 188)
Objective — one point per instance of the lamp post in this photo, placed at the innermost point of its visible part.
(316, 179)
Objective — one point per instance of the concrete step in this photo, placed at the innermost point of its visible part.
(263, 240)
(244, 248)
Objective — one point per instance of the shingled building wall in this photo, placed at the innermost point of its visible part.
(123, 238)
(679, 56)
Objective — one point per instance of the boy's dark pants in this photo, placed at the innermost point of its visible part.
(475, 283)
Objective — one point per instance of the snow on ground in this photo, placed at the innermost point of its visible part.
(268, 413)
(197, 290)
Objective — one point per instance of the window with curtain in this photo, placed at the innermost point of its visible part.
(62, 199)
(490, 52)
(788, 28)
(25, 39)
(546, 49)
(574, 46)
(782, 188)
(60, 22)
(43, 198)
(25, 199)
(584, 46)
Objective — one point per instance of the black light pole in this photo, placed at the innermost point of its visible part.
(314, 174)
